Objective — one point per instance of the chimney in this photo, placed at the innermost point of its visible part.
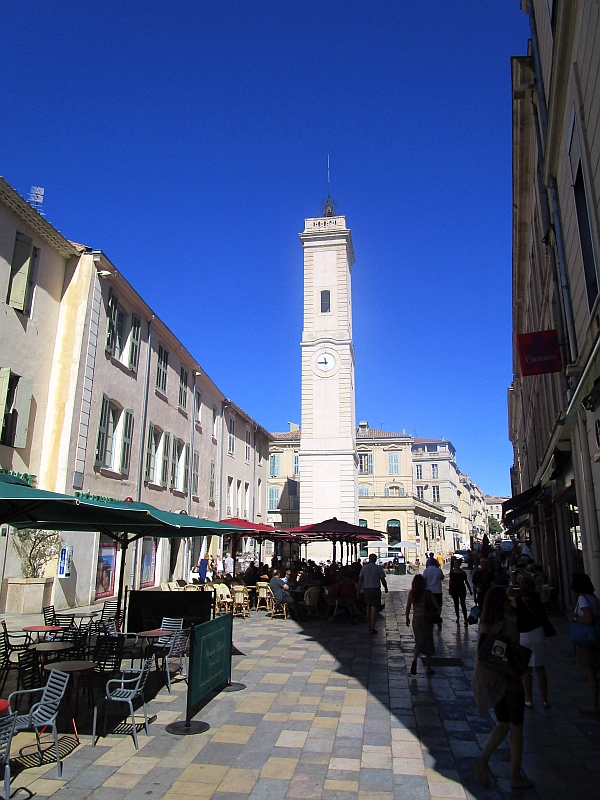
(364, 426)
(293, 426)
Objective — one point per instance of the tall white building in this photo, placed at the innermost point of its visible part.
(327, 454)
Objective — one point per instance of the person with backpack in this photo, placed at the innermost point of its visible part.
(587, 613)
(425, 612)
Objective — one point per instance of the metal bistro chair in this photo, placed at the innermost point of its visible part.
(108, 654)
(17, 641)
(6, 664)
(129, 687)
(7, 730)
(29, 676)
(43, 713)
(310, 601)
(131, 647)
(163, 646)
(178, 650)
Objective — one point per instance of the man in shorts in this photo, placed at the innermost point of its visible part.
(370, 580)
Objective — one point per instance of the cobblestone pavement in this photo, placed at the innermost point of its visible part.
(330, 713)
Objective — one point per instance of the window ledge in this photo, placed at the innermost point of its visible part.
(214, 440)
(111, 473)
(198, 427)
(157, 486)
(159, 393)
(179, 492)
(183, 412)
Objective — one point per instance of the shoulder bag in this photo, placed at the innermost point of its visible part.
(585, 635)
(549, 629)
(502, 654)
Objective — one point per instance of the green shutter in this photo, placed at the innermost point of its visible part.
(127, 436)
(102, 431)
(174, 462)
(166, 452)
(4, 381)
(134, 341)
(22, 407)
(195, 473)
(19, 272)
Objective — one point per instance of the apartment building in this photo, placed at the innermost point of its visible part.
(120, 409)
(437, 478)
(554, 399)
(494, 506)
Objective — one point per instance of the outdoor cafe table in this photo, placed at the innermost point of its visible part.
(46, 649)
(74, 668)
(42, 629)
(84, 614)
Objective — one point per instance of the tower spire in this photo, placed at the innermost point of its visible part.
(328, 206)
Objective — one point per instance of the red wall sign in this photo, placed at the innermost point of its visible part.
(539, 353)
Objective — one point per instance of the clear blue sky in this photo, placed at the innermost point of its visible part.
(189, 140)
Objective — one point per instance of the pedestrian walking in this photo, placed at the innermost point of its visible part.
(425, 610)
(587, 612)
(530, 623)
(458, 583)
(370, 580)
(501, 691)
(433, 577)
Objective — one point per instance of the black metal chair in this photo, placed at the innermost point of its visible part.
(6, 664)
(108, 654)
(29, 675)
(16, 641)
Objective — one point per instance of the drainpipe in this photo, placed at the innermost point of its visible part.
(140, 475)
(537, 63)
(254, 475)
(188, 540)
(224, 405)
(564, 279)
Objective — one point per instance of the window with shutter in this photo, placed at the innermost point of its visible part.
(112, 308)
(126, 442)
(150, 454)
(111, 432)
(102, 429)
(198, 407)
(434, 471)
(195, 473)
(393, 465)
(183, 386)
(135, 335)
(21, 409)
(370, 464)
(274, 465)
(4, 384)
(419, 471)
(175, 456)
(296, 464)
(186, 469)
(363, 491)
(248, 444)
(19, 272)
(229, 500)
(273, 498)
(211, 483)
(166, 454)
(231, 441)
(246, 500)
(162, 365)
(120, 333)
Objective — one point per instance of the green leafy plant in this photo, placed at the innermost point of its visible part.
(35, 549)
(495, 527)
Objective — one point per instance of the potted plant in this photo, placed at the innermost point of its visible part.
(30, 593)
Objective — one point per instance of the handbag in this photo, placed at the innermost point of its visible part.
(549, 629)
(585, 635)
(502, 654)
(473, 617)
(431, 613)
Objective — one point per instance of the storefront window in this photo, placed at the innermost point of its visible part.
(148, 562)
(575, 529)
(106, 569)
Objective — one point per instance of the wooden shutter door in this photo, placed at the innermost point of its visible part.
(19, 272)
(22, 406)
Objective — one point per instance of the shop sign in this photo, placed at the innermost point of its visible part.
(539, 353)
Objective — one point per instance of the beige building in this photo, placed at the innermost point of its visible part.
(554, 418)
(387, 500)
(494, 507)
(118, 407)
(437, 478)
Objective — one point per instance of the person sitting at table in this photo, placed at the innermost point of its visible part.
(281, 592)
(289, 579)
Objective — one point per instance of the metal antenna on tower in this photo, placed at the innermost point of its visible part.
(36, 199)
(328, 206)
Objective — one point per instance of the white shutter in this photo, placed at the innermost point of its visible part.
(393, 463)
(127, 436)
(4, 381)
(19, 272)
(21, 407)
(149, 474)
(369, 463)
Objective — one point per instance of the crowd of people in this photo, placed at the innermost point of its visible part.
(512, 635)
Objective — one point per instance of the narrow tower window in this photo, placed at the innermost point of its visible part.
(325, 301)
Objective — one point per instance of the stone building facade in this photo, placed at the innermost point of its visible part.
(117, 406)
(554, 418)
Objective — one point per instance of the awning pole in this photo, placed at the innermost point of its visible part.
(124, 545)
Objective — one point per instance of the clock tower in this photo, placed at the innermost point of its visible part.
(328, 460)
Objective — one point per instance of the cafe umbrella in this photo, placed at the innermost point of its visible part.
(336, 530)
(124, 522)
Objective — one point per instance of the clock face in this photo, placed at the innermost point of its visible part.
(325, 362)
